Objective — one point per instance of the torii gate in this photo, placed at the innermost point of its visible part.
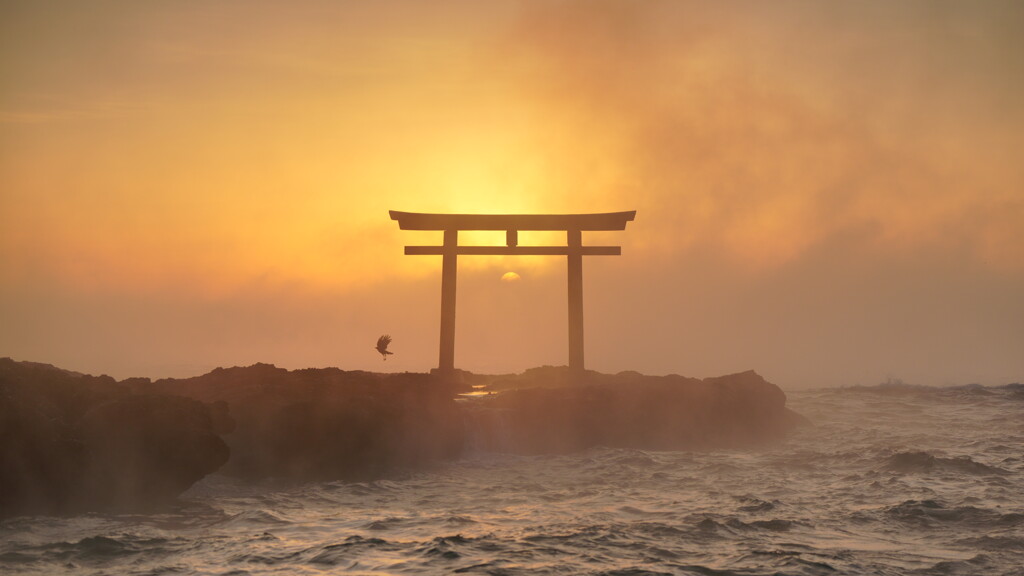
(572, 224)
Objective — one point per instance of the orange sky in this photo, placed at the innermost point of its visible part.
(828, 194)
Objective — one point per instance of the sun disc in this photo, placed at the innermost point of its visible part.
(510, 277)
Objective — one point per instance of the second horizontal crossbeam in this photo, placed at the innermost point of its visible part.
(514, 250)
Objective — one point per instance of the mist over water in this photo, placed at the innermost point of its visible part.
(887, 480)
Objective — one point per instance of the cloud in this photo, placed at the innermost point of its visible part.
(736, 132)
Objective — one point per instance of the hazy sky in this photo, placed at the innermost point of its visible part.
(828, 193)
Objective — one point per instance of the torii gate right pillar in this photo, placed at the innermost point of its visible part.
(575, 257)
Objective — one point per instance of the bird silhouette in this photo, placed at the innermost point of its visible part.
(382, 345)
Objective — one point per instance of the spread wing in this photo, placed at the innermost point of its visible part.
(382, 343)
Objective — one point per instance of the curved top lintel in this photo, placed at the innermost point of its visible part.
(604, 221)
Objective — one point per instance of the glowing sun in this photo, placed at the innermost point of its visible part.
(510, 277)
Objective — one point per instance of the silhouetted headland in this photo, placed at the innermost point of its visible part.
(73, 442)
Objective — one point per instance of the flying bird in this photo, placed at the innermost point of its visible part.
(382, 345)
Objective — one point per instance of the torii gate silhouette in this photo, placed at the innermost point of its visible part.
(573, 225)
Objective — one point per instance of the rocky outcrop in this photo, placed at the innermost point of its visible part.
(328, 423)
(70, 443)
(546, 411)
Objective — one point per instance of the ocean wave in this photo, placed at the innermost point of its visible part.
(896, 388)
(733, 525)
(795, 564)
(969, 567)
(689, 569)
(634, 511)
(934, 513)
(635, 571)
(1015, 391)
(443, 547)
(910, 394)
(94, 550)
(390, 523)
(459, 520)
(916, 462)
(351, 548)
(658, 530)
(993, 543)
(751, 504)
(632, 458)
(95, 546)
(258, 517)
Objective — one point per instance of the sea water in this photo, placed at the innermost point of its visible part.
(886, 480)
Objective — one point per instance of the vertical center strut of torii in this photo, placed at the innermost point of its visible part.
(573, 225)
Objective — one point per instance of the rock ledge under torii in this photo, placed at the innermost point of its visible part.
(71, 442)
(545, 410)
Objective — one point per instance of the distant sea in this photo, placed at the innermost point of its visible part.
(887, 480)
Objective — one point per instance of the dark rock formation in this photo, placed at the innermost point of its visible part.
(328, 423)
(72, 443)
(148, 449)
(546, 411)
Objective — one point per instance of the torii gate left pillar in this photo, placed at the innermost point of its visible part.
(449, 279)
(572, 224)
